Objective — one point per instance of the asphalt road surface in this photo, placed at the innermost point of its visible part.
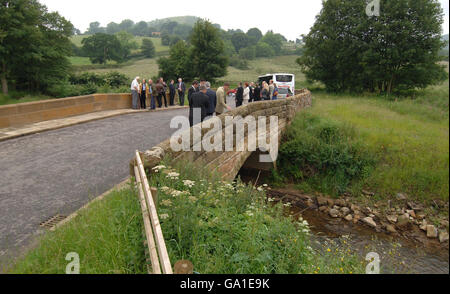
(57, 172)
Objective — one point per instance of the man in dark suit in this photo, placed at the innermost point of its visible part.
(239, 95)
(199, 100)
(212, 99)
(181, 91)
(193, 89)
(172, 92)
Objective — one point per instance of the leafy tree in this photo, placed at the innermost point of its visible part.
(112, 28)
(148, 49)
(94, 28)
(229, 48)
(207, 55)
(169, 27)
(248, 53)
(264, 50)
(178, 64)
(126, 25)
(254, 35)
(274, 40)
(347, 50)
(102, 47)
(140, 29)
(34, 45)
(239, 40)
(127, 44)
(165, 39)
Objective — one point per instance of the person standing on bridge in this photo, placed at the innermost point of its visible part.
(221, 99)
(143, 92)
(246, 94)
(152, 94)
(193, 89)
(135, 93)
(275, 92)
(265, 91)
(239, 95)
(271, 89)
(200, 100)
(212, 99)
(172, 92)
(181, 91)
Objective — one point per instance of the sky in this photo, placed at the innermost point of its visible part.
(291, 18)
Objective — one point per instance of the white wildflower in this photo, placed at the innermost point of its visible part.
(164, 216)
(158, 168)
(189, 183)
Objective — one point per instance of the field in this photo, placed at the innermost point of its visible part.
(410, 137)
(148, 68)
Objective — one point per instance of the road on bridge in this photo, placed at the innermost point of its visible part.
(57, 172)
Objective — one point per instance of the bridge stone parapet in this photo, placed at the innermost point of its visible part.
(228, 163)
(20, 114)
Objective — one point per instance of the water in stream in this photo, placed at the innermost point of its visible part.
(397, 254)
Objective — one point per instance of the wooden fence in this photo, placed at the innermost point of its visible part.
(160, 262)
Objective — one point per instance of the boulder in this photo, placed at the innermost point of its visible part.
(392, 218)
(369, 221)
(323, 208)
(391, 229)
(322, 201)
(330, 202)
(334, 213)
(423, 226)
(443, 236)
(345, 210)
(348, 218)
(432, 232)
(403, 220)
(340, 202)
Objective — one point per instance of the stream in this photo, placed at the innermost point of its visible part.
(398, 255)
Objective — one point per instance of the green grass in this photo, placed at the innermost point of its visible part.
(107, 236)
(221, 228)
(15, 98)
(410, 138)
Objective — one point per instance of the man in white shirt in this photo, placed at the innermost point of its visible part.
(135, 93)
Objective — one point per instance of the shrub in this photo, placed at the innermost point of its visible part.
(238, 62)
(227, 228)
(323, 154)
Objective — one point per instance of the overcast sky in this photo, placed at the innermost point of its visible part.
(289, 17)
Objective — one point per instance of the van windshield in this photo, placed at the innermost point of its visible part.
(284, 78)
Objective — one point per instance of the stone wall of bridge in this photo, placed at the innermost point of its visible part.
(228, 163)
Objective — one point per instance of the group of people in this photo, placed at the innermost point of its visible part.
(156, 92)
(246, 93)
(200, 95)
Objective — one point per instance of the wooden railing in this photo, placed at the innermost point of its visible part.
(156, 245)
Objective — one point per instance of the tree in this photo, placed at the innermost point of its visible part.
(207, 55)
(102, 47)
(94, 28)
(140, 29)
(347, 50)
(264, 50)
(254, 35)
(148, 49)
(275, 41)
(126, 25)
(178, 64)
(248, 53)
(127, 44)
(34, 45)
(239, 40)
(112, 28)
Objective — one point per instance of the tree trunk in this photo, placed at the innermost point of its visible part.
(389, 89)
(4, 80)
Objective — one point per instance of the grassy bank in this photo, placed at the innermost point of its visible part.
(409, 140)
(220, 227)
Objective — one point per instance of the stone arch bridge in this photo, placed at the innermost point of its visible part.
(229, 163)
